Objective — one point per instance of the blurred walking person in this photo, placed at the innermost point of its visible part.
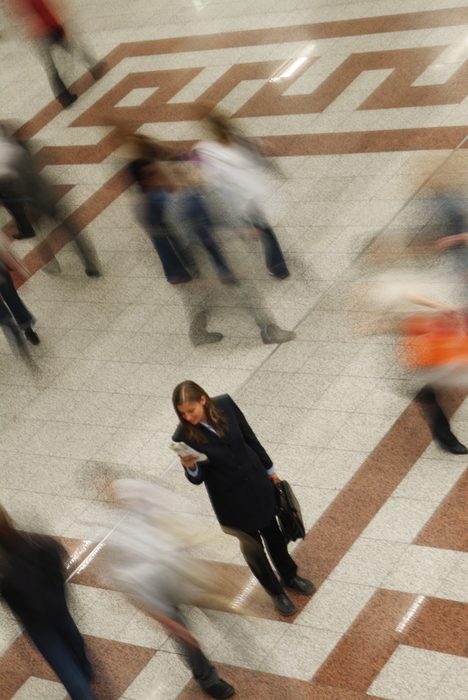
(33, 197)
(431, 335)
(162, 185)
(158, 186)
(12, 189)
(14, 315)
(32, 584)
(232, 165)
(48, 30)
(152, 563)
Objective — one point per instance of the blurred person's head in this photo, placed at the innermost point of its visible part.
(148, 148)
(227, 133)
(193, 405)
(221, 127)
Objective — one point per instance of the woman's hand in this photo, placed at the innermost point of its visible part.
(451, 241)
(188, 462)
(448, 309)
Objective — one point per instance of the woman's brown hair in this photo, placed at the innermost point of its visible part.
(189, 391)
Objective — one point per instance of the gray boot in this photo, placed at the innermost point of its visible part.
(198, 333)
(273, 334)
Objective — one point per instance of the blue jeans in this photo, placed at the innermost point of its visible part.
(274, 257)
(196, 214)
(160, 237)
(62, 646)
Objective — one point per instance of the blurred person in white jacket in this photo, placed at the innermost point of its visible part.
(152, 562)
(232, 164)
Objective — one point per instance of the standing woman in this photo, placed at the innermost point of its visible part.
(239, 477)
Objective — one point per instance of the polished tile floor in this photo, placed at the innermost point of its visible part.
(359, 102)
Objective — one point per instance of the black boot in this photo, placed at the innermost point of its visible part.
(32, 336)
(67, 98)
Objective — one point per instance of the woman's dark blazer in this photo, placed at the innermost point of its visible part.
(235, 475)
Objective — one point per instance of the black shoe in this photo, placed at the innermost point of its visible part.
(32, 336)
(273, 334)
(452, 445)
(98, 70)
(206, 339)
(279, 275)
(92, 273)
(22, 236)
(228, 278)
(300, 585)
(179, 280)
(67, 98)
(456, 448)
(220, 690)
(283, 604)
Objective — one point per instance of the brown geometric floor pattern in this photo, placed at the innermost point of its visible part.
(438, 625)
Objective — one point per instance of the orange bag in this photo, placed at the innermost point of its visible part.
(431, 340)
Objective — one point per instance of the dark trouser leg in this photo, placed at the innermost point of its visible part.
(172, 266)
(86, 252)
(62, 660)
(22, 316)
(203, 670)
(45, 45)
(71, 636)
(81, 244)
(10, 329)
(200, 221)
(6, 318)
(198, 324)
(278, 551)
(19, 212)
(438, 423)
(254, 554)
(275, 261)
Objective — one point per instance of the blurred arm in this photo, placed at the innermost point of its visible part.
(425, 301)
(451, 241)
(174, 628)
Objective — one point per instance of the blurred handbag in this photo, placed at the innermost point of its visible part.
(289, 513)
(433, 339)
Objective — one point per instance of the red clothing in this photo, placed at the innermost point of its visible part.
(40, 17)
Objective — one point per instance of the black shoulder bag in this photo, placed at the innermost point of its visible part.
(289, 513)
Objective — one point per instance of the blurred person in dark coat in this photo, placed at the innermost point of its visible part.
(239, 477)
(35, 197)
(12, 188)
(32, 584)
